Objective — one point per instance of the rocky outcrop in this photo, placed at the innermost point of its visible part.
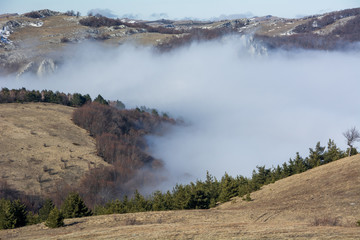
(41, 13)
(46, 67)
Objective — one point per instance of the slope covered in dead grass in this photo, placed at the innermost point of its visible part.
(287, 209)
(41, 145)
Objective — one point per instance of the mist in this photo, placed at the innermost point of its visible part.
(242, 106)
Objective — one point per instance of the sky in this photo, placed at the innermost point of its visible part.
(178, 9)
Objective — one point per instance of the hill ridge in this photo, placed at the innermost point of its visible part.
(52, 31)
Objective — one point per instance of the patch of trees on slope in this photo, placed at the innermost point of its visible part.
(119, 135)
(120, 141)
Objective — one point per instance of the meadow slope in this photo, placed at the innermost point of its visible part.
(287, 209)
(41, 145)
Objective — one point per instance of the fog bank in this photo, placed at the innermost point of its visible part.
(241, 108)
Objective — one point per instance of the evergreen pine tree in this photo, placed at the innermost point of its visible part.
(212, 186)
(299, 164)
(32, 218)
(126, 204)
(74, 207)
(243, 185)
(181, 197)
(200, 199)
(45, 210)
(333, 153)
(229, 188)
(316, 157)
(158, 201)
(168, 201)
(55, 219)
(101, 100)
(78, 100)
(138, 202)
(117, 207)
(12, 214)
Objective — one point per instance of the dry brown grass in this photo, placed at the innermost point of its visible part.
(323, 203)
(40, 145)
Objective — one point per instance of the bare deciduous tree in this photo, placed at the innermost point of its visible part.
(352, 135)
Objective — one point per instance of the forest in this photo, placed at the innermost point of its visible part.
(119, 135)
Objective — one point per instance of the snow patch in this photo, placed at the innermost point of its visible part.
(37, 24)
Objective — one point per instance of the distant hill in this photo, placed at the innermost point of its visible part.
(322, 203)
(48, 32)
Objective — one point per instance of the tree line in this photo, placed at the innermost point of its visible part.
(195, 195)
(23, 95)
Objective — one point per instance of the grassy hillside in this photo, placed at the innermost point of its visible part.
(40, 145)
(322, 203)
(330, 191)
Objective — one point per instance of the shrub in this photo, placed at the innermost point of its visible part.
(70, 13)
(65, 40)
(33, 14)
(55, 219)
(247, 198)
(326, 221)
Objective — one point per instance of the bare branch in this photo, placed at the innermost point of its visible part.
(352, 135)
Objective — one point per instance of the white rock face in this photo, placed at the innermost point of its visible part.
(46, 66)
(27, 68)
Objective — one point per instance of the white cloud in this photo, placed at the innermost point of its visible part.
(104, 12)
(243, 109)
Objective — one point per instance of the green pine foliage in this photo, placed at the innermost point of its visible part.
(45, 210)
(101, 100)
(200, 198)
(55, 219)
(22, 95)
(247, 198)
(138, 203)
(32, 218)
(208, 193)
(74, 207)
(229, 188)
(12, 214)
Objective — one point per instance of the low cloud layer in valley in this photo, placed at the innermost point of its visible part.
(242, 107)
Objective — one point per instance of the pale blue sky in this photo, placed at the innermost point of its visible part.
(175, 9)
